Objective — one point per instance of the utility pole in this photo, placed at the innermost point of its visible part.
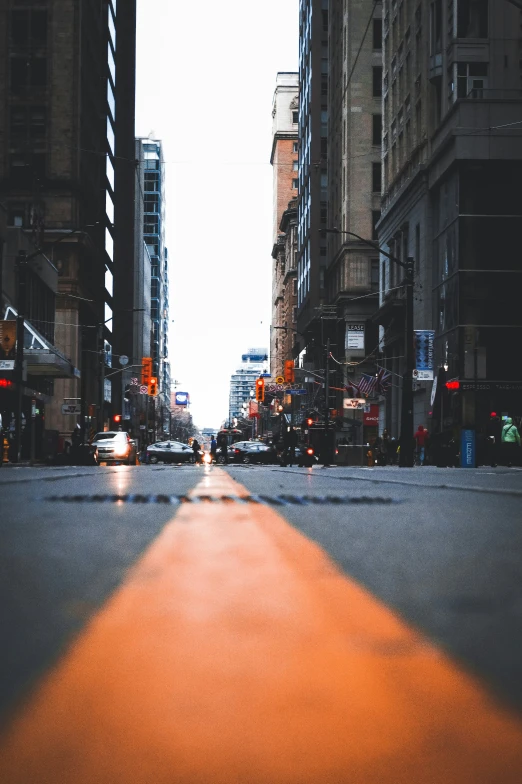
(326, 449)
(21, 296)
(406, 438)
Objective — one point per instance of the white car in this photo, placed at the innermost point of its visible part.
(115, 446)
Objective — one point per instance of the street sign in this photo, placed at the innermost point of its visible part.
(296, 391)
(355, 403)
(124, 360)
(7, 364)
(181, 398)
(72, 408)
(280, 380)
(144, 390)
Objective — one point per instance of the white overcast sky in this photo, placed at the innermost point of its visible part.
(206, 75)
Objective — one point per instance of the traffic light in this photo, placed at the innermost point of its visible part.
(309, 421)
(117, 418)
(260, 389)
(146, 370)
(153, 386)
(289, 371)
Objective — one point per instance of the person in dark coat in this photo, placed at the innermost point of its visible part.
(196, 449)
(290, 443)
(493, 440)
(213, 449)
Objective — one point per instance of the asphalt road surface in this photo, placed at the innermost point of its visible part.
(260, 624)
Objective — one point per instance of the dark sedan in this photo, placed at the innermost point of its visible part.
(249, 452)
(169, 452)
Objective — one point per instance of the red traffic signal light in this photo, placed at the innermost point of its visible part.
(153, 386)
(260, 389)
(117, 417)
(309, 421)
(5, 383)
(452, 384)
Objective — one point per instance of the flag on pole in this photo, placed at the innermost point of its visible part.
(367, 384)
(383, 380)
(351, 387)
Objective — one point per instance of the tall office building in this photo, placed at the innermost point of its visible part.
(285, 168)
(253, 364)
(151, 193)
(313, 176)
(66, 97)
(452, 164)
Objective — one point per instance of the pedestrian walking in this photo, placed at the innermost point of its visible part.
(493, 440)
(290, 443)
(421, 440)
(222, 445)
(213, 449)
(510, 442)
(196, 449)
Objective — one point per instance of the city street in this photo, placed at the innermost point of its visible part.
(260, 624)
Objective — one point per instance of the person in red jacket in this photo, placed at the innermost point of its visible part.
(421, 438)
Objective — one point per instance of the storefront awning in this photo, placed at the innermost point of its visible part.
(41, 357)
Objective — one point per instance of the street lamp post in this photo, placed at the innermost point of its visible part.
(406, 435)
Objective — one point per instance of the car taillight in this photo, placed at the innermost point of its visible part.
(236, 451)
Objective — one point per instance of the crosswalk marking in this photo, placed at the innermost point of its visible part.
(237, 653)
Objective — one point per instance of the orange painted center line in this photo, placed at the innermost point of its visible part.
(237, 653)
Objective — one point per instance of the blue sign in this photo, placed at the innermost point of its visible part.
(181, 398)
(295, 391)
(467, 449)
(424, 354)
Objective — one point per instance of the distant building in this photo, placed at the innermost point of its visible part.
(285, 167)
(151, 198)
(253, 363)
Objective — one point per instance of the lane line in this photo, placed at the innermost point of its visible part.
(237, 653)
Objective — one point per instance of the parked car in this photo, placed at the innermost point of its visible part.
(115, 446)
(250, 452)
(170, 452)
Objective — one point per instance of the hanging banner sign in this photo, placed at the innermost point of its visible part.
(7, 335)
(355, 403)
(423, 354)
(354, 337)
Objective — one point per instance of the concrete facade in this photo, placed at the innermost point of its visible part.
(285, 165)
(452, 153)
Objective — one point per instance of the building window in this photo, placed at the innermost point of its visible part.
(472, 19)
(295, 147)
(377, 81)
(376, 177)
(376, 129)
(295, 117)
(28, 72)
(376, 214)
(29, 28)
(295, 166)
(295, 183)
(377, 33)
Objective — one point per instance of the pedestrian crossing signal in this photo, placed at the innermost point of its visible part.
(260, 389)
